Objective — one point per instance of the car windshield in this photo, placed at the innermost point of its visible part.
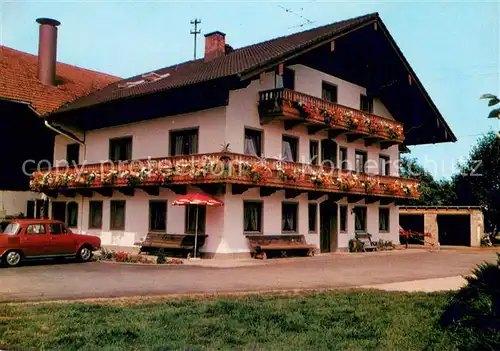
(11, 229)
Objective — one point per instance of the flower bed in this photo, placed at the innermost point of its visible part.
(126, 257)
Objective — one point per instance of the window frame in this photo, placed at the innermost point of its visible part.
(111, 213)
(261, 146)
(365, 159)
(71, 160)
(171, 138)
(61, 231)
(95, 202)
(296, 222)
(121, 139)
(186, 223)
(388, 230)
(387, 165)
(343, 163)
(369, 101)
(309, 206)
(150, 203)
(346, 222)
(365, 209)
(42, 225)
(314, 160)
(296, 141)
(72, 203)
(261, 216)
(329, 84)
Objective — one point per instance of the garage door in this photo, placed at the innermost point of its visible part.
(454, 230)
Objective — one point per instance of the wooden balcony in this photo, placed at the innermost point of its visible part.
(210, 171)
(296, 108)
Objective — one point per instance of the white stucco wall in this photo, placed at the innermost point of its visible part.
(13, 203)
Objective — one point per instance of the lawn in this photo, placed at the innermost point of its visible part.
(331, 320)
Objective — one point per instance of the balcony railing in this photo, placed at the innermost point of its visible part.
(313, 111)
(221, 167)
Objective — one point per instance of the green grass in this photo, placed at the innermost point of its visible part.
(333, 320)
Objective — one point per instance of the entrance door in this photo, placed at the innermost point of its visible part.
(328, 226)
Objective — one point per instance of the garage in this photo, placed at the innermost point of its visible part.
(454, 230)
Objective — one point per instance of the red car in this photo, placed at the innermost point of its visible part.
(23, 239)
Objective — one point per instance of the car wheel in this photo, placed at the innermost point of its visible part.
(84, 254)
(13, 258)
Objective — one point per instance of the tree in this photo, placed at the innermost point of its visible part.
(492, 101)
(478, 183)
(432, 192)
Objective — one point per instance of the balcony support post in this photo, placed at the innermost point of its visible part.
(127, 191)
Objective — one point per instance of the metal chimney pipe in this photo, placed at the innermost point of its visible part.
(47, 50)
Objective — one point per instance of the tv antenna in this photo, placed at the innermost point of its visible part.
(195, 32)
(306, 20)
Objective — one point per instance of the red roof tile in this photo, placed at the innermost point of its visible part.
(18, 81)
(233, 63)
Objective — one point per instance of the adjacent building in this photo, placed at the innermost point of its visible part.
(31, 86)
(299, 134)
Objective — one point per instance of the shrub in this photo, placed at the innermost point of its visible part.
(356, 245)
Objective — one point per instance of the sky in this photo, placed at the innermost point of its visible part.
(453, 46)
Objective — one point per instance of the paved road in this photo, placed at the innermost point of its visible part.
(92, 280)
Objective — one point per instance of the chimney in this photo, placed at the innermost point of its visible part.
(47, 50)
(215, 45)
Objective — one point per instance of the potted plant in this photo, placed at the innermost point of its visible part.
(225, 150)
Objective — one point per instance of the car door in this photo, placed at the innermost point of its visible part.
(62, 241)
(35, 240)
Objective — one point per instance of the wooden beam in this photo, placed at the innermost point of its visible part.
(335, 197)
(370, 141)
(68, 192)
(333, 133)
(386, 201)
(267, 190)
(314, 195)
(293, 193)
(314, 129)
(352, 198)
(212, 189)
(387, 144)
(85, 192)
(107, 192)
(151, 190)
(179, 189)
(371, 199)
(50, 193)
(289, 124)
(238, 189)
(127, 191)
(353, 137)
(402, 202)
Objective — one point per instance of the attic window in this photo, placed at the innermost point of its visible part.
(146, 78)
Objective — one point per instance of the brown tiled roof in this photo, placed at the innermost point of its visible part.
(236, 62)
(18, 81)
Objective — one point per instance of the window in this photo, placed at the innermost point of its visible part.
(190, 220)
(383, 220)
(343, 158)
(117, 218)
(158, 216)
(329, 152)
(55, 228)
(95, 214)
(366, 104)
(289, 79)
(360, 161)
(343, 219)
(313, 217)
(253, 142)
(289, 217)
(120, 149)
(35, 229)
(252, 216)
(384, 165)
(313, 152)
(59, 211)
(72, 214)
(73, 154)
(289, 149)
(359, 219)
(329, 92)
(184, 142)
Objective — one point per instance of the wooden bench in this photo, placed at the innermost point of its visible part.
(261, 245)
(366, 239)
(155, 243)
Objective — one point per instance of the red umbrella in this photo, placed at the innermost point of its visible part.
(197, 199)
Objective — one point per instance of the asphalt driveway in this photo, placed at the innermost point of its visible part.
(97, 279)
